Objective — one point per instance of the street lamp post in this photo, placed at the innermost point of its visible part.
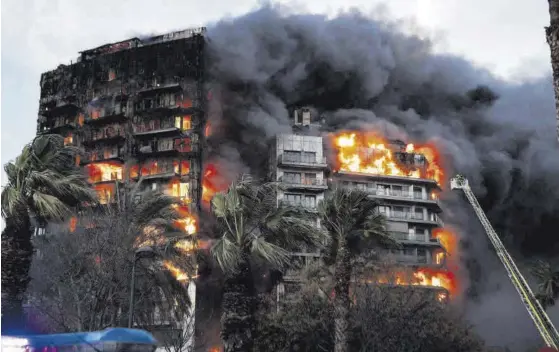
(143, 252)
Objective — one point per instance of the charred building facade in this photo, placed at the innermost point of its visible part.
(135, 109)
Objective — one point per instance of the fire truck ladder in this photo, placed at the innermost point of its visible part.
(538, 314)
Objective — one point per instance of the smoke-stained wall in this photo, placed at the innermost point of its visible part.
(358, 73)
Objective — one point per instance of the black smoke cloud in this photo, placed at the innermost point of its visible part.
(359, 72)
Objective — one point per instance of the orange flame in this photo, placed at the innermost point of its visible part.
(449, 240)
(188, 246)
(99, 172)
(105, 193)
(423, 277)
(73, 223)
(209, 189)
(368, 152)
(178, 273)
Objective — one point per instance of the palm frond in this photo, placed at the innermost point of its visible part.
(50, 207)
(226, 253)
(271, 253)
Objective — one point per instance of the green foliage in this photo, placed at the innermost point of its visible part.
(352, 216)
(249, 221)
(381, 319)
(43, 184)
(44, 181)
(548, 283)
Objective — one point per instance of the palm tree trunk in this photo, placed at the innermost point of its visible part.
(341, 298)
(17, 252)
(552, 35)
(239, 305)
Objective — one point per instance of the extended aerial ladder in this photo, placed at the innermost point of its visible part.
(536, 311)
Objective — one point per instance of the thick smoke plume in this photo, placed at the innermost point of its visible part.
(358, 72)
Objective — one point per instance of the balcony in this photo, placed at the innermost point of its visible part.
(159, 171)
(307, 206)
(307, 163)
(140, 131)
(109, 135)
(418, 238)
(433, 219)
(349, 175)
(304, 183)
(414, 197)
(100, 155)
(162, 147)
(156, 86)
(105, 116)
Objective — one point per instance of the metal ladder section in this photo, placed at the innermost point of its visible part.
(538, 314)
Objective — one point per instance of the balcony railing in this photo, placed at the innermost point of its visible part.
(304, 182)
(106, 134)
(418, 237)
(163, 128)
(302, 204)
(411, 259)
(100, 155)
(414, 196)
(432, 218)
(302, 161)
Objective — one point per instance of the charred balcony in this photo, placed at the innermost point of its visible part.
(162, 169)
(114, 154)
(165, 147)
(107, 114)
(164, 126)
(58, 106)
(163, 102)
(108, 134)
(58, 124)
(158, 86)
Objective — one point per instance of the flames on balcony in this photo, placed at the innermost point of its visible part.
(368, 152)
(160, 167)
(101, 172)
(422, 277)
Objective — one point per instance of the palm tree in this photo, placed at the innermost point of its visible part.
(552, 36)
(548, 283)
(251, 225)
(350, 218)
(44, 183)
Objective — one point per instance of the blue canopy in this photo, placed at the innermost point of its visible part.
(117, 335)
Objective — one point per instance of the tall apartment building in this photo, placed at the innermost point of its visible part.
(135, 109)
(299, 164)
(410, 204)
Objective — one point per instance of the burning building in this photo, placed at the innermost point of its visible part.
(136, 110)
(405, 179)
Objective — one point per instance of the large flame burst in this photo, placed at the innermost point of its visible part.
(370, 153)
(422, 277)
